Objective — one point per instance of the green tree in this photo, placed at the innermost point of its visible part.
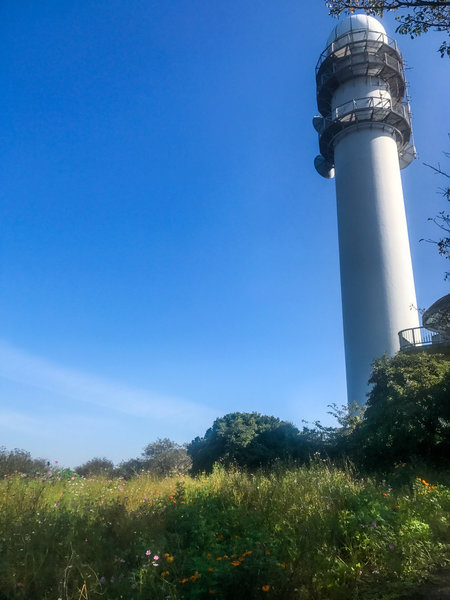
(417, 16)
(166, 458)
(407, 414)
(96, 466)
(20, 461)
(246, 439)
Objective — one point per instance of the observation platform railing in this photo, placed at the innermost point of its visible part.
(419, 337)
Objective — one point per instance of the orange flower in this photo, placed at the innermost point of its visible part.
(210, 569)
(265, 588)
(283, 565)
(236, 563)
(195, 576)
(212, 592)
(185, 580)
(219, 558)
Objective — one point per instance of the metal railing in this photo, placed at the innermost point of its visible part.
(356, 112)
(358, 37)
(419, 336)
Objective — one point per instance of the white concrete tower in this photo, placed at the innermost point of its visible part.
(365, 139)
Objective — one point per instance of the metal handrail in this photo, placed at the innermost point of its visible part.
(416, 337)
(356, 36)
(365, 110)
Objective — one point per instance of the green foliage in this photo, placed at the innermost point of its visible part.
(314, 533)
(244, 439)
(96, 466)
(166, 458)
(422, 15)
(407, 416)
(20, 461)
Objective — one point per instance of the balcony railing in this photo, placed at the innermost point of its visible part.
(419, 336)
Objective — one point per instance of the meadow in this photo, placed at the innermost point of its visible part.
(317, 532)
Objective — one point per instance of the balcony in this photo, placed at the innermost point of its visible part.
(419, 338)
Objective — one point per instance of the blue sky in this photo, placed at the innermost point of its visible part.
(168, 253)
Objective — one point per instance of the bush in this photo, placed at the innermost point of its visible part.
(20, 461)
(246, 439)
(96, 466)
(407, 417)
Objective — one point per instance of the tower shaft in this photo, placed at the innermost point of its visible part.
(365, 138)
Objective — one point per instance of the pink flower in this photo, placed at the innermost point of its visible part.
(374, 524)
(391, 546)
(156, 557)
(148, 552)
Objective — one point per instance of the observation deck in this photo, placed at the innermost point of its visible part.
(362, 49)
(420, 339)
(359, 53)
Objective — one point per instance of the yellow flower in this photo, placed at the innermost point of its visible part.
(164, 573)
(265, 588)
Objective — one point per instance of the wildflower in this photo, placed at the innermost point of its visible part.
(148, 552)
(219, 537)
(156, 557)
(195, 576)
(391, 546)
(283, 565)
(374, 524)
(56, 504)
(212, 592)
(265, 588)
(219, 558)
(102, 579)
(236, 563)
(211, 570)
(185, 580)
(164, 573)
(267, 553)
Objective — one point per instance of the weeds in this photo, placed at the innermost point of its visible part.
(308, 533)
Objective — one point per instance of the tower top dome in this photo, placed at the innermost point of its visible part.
(355, 23)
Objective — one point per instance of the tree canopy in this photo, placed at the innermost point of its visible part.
(417, 16)
(407, 415)
(246, 439)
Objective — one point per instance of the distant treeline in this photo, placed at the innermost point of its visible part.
(406, 421)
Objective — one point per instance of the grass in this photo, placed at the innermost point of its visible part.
(308, 533)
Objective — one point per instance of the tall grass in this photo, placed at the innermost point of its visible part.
(307, 533)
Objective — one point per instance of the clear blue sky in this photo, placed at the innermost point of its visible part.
(168, 252)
